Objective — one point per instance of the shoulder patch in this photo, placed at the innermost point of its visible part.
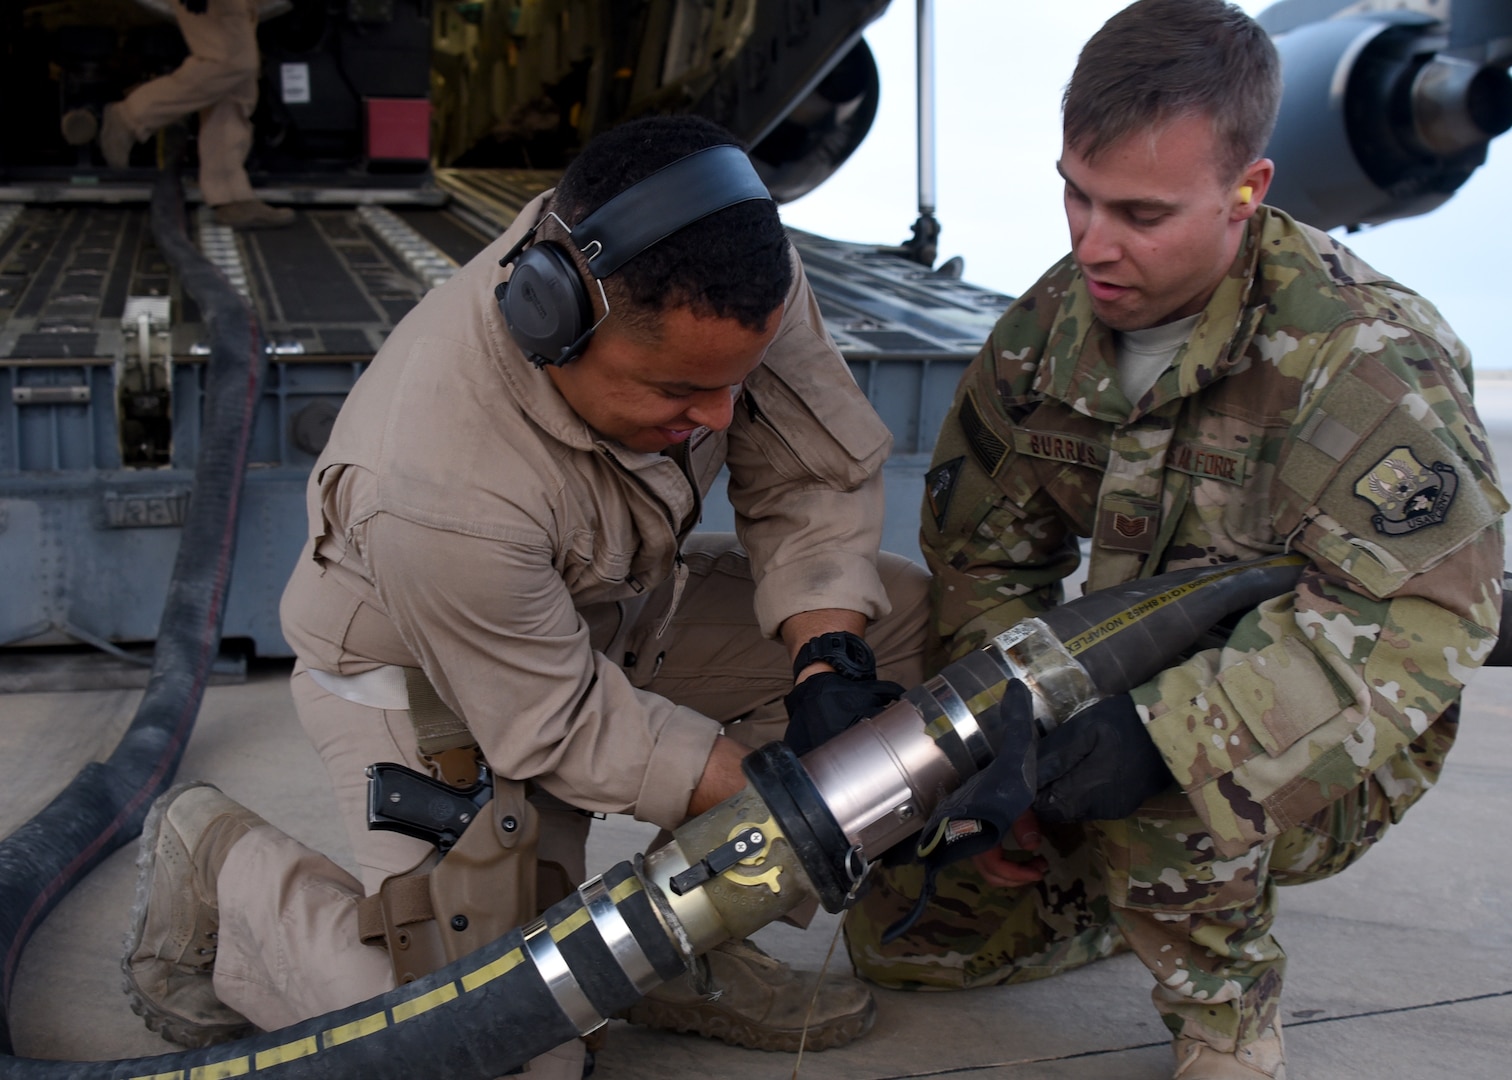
(939, 486)
(1407, 494)
(990, 449)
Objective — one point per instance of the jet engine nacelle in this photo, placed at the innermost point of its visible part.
(1384, 115)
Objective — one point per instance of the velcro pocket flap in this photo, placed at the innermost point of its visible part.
(1282, 693)
(1349, 410)
(824, 425)
(1385, 496)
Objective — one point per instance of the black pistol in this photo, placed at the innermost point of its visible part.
(404, 800)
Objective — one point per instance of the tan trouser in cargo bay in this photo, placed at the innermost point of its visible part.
(289, 947)
(218, 80)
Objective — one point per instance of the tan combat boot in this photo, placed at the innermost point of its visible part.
(740, 995)
(1263, 1059)
(253, 214)
(116, 139)
(170, 948)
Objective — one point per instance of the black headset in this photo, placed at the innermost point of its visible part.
(546, 303)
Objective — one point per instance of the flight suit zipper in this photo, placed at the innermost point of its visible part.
(679, 453)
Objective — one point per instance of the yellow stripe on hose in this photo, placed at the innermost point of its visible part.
(424, 1003)
(492, 970)
(219, 1070)
(177, 1075)
(291, 1051)
(569, 924)
(355, 1030)
(624, 890)
(1122, 621)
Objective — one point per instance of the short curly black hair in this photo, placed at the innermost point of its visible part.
(733, 264)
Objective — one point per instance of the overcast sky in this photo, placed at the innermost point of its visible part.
(1001, 66)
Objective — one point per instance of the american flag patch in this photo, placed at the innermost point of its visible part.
(961, 828)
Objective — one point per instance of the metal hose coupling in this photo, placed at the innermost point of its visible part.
(810, 828)
(875, 784)
(878, 782)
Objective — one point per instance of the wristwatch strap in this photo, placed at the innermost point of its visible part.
(845, 652)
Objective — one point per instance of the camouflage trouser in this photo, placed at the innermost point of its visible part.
(1200, 922)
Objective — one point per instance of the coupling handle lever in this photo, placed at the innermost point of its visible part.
(742, 845)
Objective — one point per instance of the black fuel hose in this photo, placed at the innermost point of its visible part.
(603, 947)
(479, 1016)
(1501, 652)
(103, 807)
(1125, 634)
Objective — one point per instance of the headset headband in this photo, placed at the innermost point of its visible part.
(672, 198)
(545, 301)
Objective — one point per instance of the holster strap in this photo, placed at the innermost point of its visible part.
(443, 909)
(409, 902)
(437, 728)
(442, 735)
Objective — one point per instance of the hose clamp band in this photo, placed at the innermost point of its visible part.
(963, 724)
(558, 977)
(616, 934)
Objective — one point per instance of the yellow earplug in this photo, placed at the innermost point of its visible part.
(1246, 193)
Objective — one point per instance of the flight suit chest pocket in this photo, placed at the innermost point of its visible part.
(596, 571)
(812, 426)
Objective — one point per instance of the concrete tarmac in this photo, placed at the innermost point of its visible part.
(1400, 968)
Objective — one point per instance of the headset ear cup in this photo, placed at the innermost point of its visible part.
(545, 305)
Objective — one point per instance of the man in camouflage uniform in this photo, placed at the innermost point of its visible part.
(1203, 380)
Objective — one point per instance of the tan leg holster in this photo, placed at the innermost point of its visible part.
(482, 888)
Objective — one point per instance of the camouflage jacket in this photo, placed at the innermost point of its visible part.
(1317, 407)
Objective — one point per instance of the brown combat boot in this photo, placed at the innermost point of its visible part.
(253, 214)
(116, 139)
(1263, 1059)
(170, 949)
(740, 995)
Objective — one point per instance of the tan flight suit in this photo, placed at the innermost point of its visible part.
(218, 80)
(467, 522)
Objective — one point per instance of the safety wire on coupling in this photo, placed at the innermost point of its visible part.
(859, 870)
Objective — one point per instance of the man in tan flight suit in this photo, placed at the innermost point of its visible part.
(518, 538)
(218, 80)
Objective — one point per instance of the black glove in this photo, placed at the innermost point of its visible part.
(979, 814)
(826, 703)
(196, 7)
(976, 816)
(1099, 765)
